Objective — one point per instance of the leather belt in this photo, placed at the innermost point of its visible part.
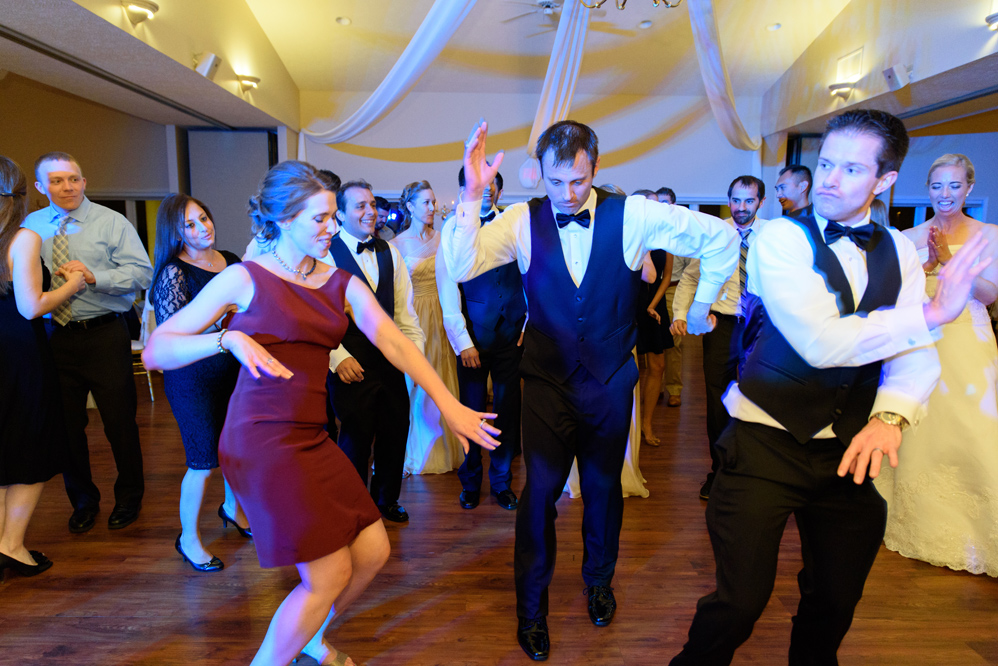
(729, 317)
(86, 324)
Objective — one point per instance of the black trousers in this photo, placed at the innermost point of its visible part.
(580, 418)
(765, 476)
(99, 361)
(721, 351)
(374, 413)
(502, 360)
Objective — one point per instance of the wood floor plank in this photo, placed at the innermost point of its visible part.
(446, 595)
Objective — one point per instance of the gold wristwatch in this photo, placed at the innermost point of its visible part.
(891, 418)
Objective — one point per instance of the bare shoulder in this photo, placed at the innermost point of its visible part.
(26, 240)
(918, 234)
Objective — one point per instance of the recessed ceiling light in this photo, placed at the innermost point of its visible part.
(773, 27)
(644, 25)
(992, 21)
(343, 20)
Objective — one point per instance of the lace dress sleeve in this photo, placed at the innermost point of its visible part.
(170, 293)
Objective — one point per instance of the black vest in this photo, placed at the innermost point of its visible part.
(354, 340)
(592, 325)
(802, 398)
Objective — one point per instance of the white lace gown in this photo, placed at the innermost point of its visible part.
(431, 447)
(943, 496)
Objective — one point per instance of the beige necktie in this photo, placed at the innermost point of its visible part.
(60, 255)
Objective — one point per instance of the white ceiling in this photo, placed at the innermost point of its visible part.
(490, 55)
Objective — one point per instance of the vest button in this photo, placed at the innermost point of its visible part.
(582, 338)
(844, 387)
(837, 412)
(580, 318)
(578, 298)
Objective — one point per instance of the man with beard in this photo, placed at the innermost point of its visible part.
(721, 347)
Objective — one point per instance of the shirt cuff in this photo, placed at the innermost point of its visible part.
(707, 291)
(899, 403)
(468, 208)
(463, 342)
(908, 329)
(102, 281)
(337, 356)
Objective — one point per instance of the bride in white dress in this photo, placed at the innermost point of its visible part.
(943, 496)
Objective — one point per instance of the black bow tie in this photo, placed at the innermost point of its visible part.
(581, 218)
(860, 235)
(488, 218)
(365, 245)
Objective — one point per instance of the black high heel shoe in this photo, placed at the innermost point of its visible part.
(214, 564)
(226, 519)
(27, 570)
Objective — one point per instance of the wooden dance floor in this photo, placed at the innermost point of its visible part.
(446, 594)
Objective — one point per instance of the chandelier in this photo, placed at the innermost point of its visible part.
(623, 3)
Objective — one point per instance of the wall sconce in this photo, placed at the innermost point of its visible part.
(138, 11)
(842, 90)
(992, 21)
(248, 82)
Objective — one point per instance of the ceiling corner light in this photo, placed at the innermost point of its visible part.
(992, 21)
(842, 90)
(343, 20)
(248, 82)
(138, 11)
(644, 25)
(773, 27)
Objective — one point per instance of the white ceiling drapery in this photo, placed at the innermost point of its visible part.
(441, 22)
(559, 82)
(715, 75)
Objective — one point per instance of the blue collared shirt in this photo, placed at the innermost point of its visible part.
(110, 248)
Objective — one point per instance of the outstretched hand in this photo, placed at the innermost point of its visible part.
(470, 426)
(478, 173)
(955, 281)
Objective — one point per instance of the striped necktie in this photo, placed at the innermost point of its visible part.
(60, 255)
(742, 273)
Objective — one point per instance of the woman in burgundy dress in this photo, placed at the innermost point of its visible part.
(305, 501)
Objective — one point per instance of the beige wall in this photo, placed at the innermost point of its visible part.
(645, 142)
(121, 155)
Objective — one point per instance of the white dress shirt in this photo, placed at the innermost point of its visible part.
(405, 314)
(470, 249)
(727, 299)
(781, 270)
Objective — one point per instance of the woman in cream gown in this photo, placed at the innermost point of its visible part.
(431, 448)
(943, 496)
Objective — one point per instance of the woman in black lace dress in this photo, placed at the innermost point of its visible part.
(32, 441)
(186, 259)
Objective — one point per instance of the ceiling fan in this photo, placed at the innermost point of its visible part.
(547, 8)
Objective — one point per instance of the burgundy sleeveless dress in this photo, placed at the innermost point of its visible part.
(301, 494)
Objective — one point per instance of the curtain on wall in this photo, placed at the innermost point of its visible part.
(559, 83)
(441, 22)
(715, 74)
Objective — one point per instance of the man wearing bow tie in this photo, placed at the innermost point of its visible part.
(367, 393)
(838, 360)
(484, 322)
(580, 252)
(722, 347)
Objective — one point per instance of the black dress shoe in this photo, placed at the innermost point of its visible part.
(506, 498)
(42, 563)
(394, 513)
(470, 498)
(602, 604)
(705, 488)
(532, 635)
(214, 564)
(83, 519)
(122, 516)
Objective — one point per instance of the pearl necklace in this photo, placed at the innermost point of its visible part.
(303, 274)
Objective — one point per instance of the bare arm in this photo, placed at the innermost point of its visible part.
(26, 272)
(648, 273)
(664, 286)
(403, 354)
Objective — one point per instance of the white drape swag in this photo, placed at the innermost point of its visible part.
(559, 82)
(715, 75)
(441, 22)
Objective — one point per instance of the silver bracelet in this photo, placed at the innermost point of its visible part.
(218, 342)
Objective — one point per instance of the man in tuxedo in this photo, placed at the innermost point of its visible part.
(793, 188)
(484, 320)
(722, 346)
(839, 360)
(368, 394)
(580, 252)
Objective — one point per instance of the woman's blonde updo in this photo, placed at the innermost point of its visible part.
(281, 196)
(953, 159)
(408, 194)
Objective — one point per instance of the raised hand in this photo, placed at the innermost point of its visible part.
(955, 281)
(939, 245)
(478, 173)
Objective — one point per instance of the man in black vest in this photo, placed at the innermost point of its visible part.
(484, 322)
(368, 394)
(580, 252)
(839, 359)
